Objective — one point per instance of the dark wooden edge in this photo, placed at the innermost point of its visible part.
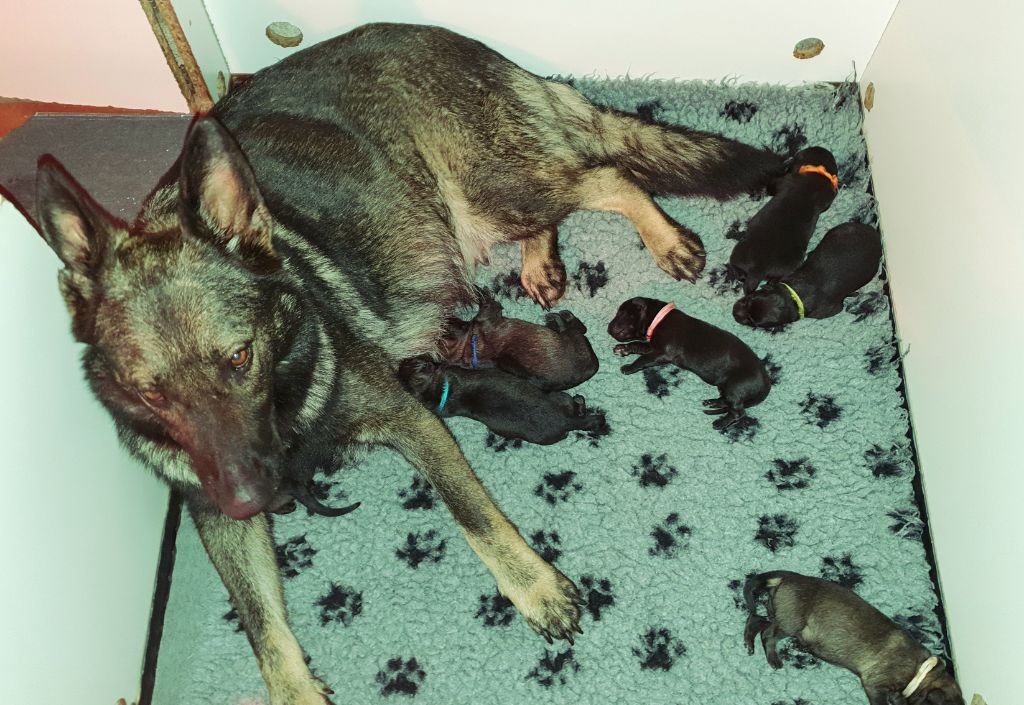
(182, 62)
(160, 594)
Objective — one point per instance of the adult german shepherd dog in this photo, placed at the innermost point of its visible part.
(319, 226)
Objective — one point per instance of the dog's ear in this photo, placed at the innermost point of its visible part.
(79, 231)
(220, 193)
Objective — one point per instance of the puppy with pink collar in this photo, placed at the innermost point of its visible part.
(661, 334)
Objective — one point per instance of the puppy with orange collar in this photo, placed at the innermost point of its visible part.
(777, 236)
(661, 334)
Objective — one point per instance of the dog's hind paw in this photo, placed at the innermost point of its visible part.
(544, 281)
(550, 605)
(683, 259)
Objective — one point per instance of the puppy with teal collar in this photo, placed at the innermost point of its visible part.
(509, 406)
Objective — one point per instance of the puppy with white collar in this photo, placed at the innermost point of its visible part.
(836, 625)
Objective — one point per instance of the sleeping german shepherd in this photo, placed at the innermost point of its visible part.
(321, 223)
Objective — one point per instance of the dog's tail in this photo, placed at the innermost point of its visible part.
(757, 584)
(667, 159)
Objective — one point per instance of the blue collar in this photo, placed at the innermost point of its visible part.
(476, 362)
(444, 396)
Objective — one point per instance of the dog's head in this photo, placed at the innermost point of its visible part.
(633, 317)
(417, 375)
(813, 156)
(938, 688)
(768, 306)
(183, 317)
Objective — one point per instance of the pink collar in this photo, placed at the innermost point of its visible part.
(665, 310)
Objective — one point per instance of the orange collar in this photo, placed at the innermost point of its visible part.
(665, 310)
(806, 169)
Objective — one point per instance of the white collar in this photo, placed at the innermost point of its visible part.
(923, 670)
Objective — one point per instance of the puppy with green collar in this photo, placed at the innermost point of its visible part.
(836, 625)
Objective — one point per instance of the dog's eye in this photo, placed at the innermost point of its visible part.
(153, 397)
(240, 358)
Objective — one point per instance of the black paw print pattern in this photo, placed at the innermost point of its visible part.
(793, 655)
(790, 474)
(422, 546)
(660, 381)
(547, 545)
(597, 594)
(789, 140)
(841, 570)
(742, 429)
(925, 630)
(880, 358)
(722, 281)
(420, 495)
(887, 462)
(864, 305)
(590, 278)
(669, 537)
(658, 649)
(499, 444)
(820, 409)
(907, 523)
(495, 610)
(554, 668)
(401, 677)
(649, 110)
(736, 587)
(794, 701)
(231, 617)
(736, 231)
(558, 487)
(653, 471)
(739, 110)
(773, 367)
(340, 605)
(294, 556)
(776, 531)
(507, 286)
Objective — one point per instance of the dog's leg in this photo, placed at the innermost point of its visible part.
(548, 600)
(243, 554)
(675, 249)
(770, 642)
(880, 696)
(543, 273)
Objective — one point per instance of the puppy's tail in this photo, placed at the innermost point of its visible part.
(757, 584)
(667, 159)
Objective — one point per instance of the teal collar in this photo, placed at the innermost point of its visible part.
(444, 396)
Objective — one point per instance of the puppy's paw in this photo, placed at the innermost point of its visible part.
(622, 349)
(682, 259)
(550, 604)
(775, 661)
(544, 280)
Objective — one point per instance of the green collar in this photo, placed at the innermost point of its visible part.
(796, 299)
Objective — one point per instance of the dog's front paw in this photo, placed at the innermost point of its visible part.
(682, 259)
(622, 349)
(544, 281)
(550, 604)
(311, 691)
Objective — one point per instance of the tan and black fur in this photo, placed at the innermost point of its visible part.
(319, 226)
(835, 624)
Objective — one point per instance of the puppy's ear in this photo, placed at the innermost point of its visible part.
(80, 232)
(222, 198)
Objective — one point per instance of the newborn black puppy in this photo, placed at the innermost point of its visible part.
(508, 405)
(846, 259)
(556, 355)
(777, 236)
(662, 334)
(836, 625)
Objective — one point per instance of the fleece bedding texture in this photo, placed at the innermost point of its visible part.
(658, 522)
